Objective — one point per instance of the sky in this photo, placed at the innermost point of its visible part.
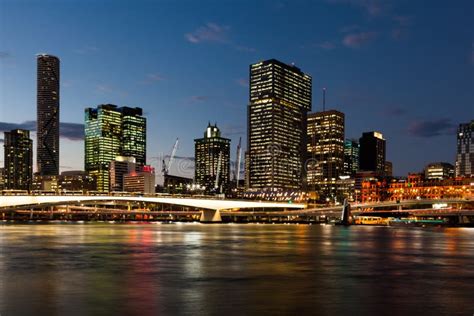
(404, 68)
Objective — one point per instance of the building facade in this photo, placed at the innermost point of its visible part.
(372, 152)
(439, 171)
(212, 161)
(280, 98)
(118, 168)
(47, 145)
(325, 150)
(351, 157)
(465, 150)
(105, 139)
(142, 181)
(18, 152)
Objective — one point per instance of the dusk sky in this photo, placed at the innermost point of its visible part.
(404, 68)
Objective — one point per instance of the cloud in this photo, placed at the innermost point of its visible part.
(327, 45)
(371, 7)
(2, 140)
(211, 32)
(152, 77)
(71, 131)
(356, 40)
(242, 82)
(215, 33)
(107, 89)
(199, 98)
(233, 130)
(5, 55)
(431, 128)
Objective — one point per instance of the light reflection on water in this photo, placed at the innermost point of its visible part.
(77, 269)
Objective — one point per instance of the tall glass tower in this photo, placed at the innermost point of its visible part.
(111, 131)
(47, 145)
(280, 98)
(465, 150)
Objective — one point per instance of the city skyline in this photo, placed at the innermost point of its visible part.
(418, 118)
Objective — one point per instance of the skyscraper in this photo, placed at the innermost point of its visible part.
(18, 151)
(351, 157)
(280, 98)
(326, 151)
(372, 153)
(111, 131)
(47, 115)
(465, 150)
(212, 160)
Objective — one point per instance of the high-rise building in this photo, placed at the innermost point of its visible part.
(465, 150)
(212, 160)
(280, 98)
(118, 168)
(47, 145)
(439, 171)
(388, 169)
(325, 151)
(2, 178)
(351, 157)
(372, 153)
(18, 151)
(109, 133)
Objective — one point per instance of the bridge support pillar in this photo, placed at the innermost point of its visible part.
(210, 216)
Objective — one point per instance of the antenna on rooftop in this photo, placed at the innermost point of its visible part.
(324, 99)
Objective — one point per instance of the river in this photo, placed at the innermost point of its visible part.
(234, 269)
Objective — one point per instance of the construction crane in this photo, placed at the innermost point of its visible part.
(166, 168)
(237, 167)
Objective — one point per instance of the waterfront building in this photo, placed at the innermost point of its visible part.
(176, 185)
(142, 181)
(118, 168)
(439, 171)
(75, 181)
(465, 150)
(47, 132)
(416, 188)
(212, 161)
(325, 150)
(372, 152)
(2, 178)
(279, 100)
(18, 160)
(351, 157)
(112, 131)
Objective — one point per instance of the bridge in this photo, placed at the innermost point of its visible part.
(213, 210)
(209, 209)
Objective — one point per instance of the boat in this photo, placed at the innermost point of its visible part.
(410, 222)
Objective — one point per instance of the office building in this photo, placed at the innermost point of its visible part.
(325, 152)
(142, 181)
(118, 168)
(439, 171)
(388, 169)
(112, 131)
(74, 181)
(280, 98)
(2, 178)
(351, 157)
(212, 161)
(18, 158)
(47, 145)
(465, 150)
(372, 153)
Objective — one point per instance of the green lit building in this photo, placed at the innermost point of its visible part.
(212, 159)
(112, 131)
(18, 151)
(280, 98)
(351, 157)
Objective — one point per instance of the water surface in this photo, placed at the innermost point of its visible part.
(196, 269)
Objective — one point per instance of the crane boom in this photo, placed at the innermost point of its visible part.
(237, 167)
(166, 168)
